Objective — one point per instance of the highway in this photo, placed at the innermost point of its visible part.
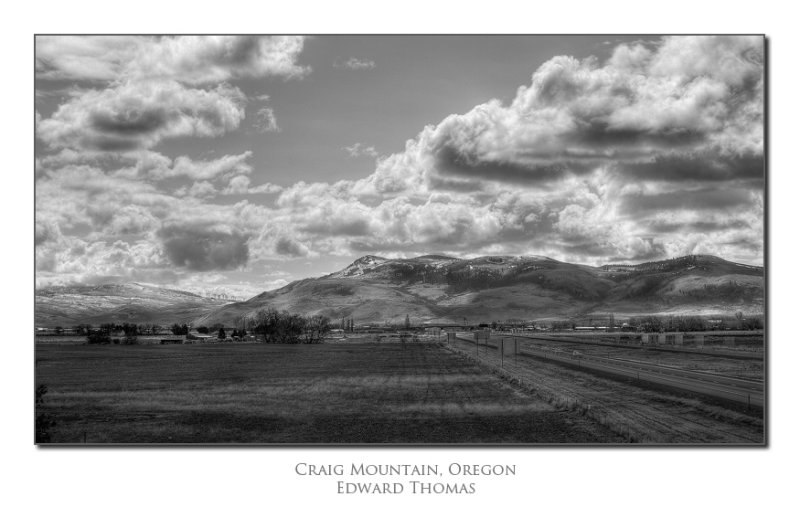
(747, 392)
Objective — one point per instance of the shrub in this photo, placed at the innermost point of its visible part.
(43, 421)
(98, 337)
(179, 329)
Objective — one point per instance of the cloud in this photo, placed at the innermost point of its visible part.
(199, 190)
(240, 184)
(80, 57)
(266, 121)
(138, 115)
(702, 199)
(361, 150)
(645, 155)
(290, 248)
(152, 89)
(639, 107)
(200, 248)
(76, 261)
(697, 166)
(227, 166)
(45, 231)
(194, 60)
(353, 63)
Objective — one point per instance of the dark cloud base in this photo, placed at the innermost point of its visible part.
(200, 250)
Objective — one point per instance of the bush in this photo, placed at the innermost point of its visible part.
(43, 421)
(98, 337)
(285, 327)
(179, 329)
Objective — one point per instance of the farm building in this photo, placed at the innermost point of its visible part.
(193, 336)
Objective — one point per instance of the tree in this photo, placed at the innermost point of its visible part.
(316, 329)
(739, 317)
(278, 327)
(98, 336)
(649, 324)
(221, 334)
(81, 329)
(179, 329)
(43, 421)
(202, 330)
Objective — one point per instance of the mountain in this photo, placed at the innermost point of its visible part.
(132, 302)
(436, 288)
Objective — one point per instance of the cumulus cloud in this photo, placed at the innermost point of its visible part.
(224, 167)
(240, 184)
(290, 248)
(361, 150)
(189, 59)
(138, 115)
(153, 90)
(266, 121)
(655, 152)
(199, 189)
(690, 97)
(201, 248)
(77, 261)
(353, 63)
(79, 57)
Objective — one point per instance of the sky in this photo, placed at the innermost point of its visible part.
(238, 164)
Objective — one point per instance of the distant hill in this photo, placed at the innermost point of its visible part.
(435, 288)
(131, 302)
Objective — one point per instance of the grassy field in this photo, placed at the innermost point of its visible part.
(318, 394)
(743, 368)
(643, 413)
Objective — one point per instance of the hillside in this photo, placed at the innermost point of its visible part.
(132, 302)
(436, 288)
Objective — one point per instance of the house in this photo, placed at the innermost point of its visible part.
(197, 337)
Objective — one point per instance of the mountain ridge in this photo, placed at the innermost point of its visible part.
(438, 288)
(435, 288)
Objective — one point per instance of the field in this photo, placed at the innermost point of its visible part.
(685, 357)
(642, 412)
(256, 393)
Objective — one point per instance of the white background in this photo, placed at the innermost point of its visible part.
(265, 476)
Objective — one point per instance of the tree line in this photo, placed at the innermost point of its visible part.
(273, 326)
(651, 323)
